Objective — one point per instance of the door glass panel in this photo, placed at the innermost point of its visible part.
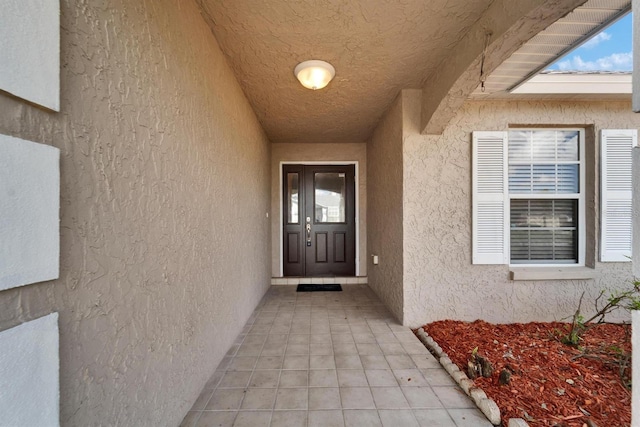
(292, 197)
(330, 195)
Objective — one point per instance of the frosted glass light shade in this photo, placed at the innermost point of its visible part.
(314, 74)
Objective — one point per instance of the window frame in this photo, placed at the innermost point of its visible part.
(580, 196)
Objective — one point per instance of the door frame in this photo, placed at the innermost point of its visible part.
(357, 197)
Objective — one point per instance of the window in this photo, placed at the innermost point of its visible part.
(545, 191)
(528, 189)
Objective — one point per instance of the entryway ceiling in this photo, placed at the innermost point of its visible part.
(377, 48)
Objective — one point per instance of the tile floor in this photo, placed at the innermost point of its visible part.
(329, 359)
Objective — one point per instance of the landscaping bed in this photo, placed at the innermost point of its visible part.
(550, 383)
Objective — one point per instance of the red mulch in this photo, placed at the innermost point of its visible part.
(549, 387)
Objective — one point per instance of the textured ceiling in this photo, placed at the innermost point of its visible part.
(377, 47)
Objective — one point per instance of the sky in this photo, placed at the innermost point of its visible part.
(609, 50)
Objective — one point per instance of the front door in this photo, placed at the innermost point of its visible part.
(319, 220)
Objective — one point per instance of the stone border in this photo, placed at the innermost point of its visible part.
(488, 406)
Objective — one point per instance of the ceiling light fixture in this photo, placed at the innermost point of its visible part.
(314, 74)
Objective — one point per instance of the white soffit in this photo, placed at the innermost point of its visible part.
(30, 50)
(30, 374)
(555, 41)
(29, 212)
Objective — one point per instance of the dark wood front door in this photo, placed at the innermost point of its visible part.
(319, 220)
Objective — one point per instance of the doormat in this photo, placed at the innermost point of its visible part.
(312, 287)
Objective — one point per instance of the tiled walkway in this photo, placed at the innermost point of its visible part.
(329, 359)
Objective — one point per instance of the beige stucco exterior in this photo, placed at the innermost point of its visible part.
(305, 152)
(170, 197)
(439, 280)
(426, 272)
(157, 208)
(385, 209)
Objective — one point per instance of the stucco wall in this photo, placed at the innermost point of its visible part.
(440, 282)
(384, 154)
(305, 152)
(165, 187)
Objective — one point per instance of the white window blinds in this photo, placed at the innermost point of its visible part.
(544, 161)
(544, 231)
(489, 198)
(615, 194)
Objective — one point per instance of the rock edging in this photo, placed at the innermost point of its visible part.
(488, 406)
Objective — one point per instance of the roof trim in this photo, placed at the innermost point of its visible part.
(554, 42)
(576, 83)
(614, 18)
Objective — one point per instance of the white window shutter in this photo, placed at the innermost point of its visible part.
(489, 230)
(615, 194)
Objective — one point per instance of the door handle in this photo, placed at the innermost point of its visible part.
(308, 234)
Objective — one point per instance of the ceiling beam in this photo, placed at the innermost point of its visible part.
(511, 23)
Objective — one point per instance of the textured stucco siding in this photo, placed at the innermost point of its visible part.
(164, 191)
(439, 280)
(385, 224)
(310, 152)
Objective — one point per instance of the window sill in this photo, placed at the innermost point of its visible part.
(551, 273)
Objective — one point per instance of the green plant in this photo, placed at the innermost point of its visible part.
(625, 300)
(576, 330)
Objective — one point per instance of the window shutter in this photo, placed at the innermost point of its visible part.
(615, 194)
(489, 198)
